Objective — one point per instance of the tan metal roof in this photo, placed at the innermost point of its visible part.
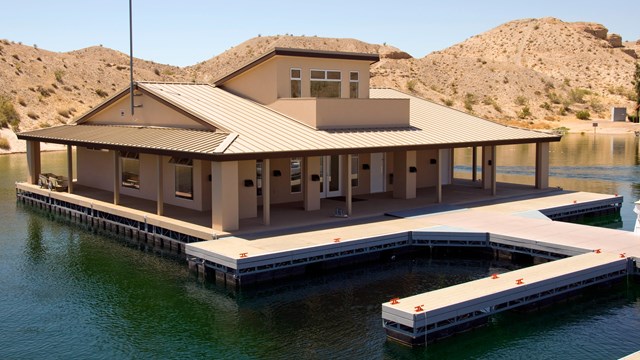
(150, 139)
(246, 128)
(262, 130)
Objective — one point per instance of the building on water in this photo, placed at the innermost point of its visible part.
(291, 126)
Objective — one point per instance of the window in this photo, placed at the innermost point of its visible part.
(325, 83)
(130, 165)
(296, 175)
(296, 83)
(353, 84)
(355, 164)
(184, 177)
(259, 177)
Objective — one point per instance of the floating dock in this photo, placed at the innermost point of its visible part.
(423, 318)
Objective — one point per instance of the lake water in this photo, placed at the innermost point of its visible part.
(68, 293)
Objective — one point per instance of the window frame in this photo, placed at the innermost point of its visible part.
(298, 79)
(325, 79)
(292, 181)
(182, 163)
(357, 84)
(133, 180)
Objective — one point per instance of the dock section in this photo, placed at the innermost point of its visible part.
(419, 319)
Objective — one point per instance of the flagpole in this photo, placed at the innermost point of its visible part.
(131, 56)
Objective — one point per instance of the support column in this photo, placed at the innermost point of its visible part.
(346, 183)
(33, 161)
(489, 168)
(474, 164)
(439, 175)
(542, 165)
(116, 177)
(311, 188)
(225, 214)
(404, 180)
(160, 187)
(70, 168)
(247, 197)
(266, 192)
(452, 161)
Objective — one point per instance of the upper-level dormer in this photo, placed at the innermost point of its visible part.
(323, 89)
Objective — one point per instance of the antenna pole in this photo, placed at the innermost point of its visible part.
(131, 55)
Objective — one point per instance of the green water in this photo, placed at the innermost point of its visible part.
(68, 293)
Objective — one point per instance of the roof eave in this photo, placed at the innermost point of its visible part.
(372, 58)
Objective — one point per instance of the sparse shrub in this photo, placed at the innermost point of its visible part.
(447, 102)
(121, 67)
(33, 115)
(469, 101)
(101, 93)
(596, 105)
(8, 114)
(577, 95)
(524, 113)
(4, 144)
(567, 82)
(67, 88)
(64, 113)
(156, 71)
(58, 74)
(521, 100)
(562, 130)
(16, 57)
(583, 115)
(562, 111)
(22, 102)
(545, 105)
(411, 85)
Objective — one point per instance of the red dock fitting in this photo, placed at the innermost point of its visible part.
(623, 255)
(519, 281)
(597, 251)
(336, 240)
(243, 255)
(395, 301)
(419, 308)
(494, 276)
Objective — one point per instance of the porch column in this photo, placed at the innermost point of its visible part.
(247, 197)
(439, 175)
(452, 163)
(70, 168)
(489, 168)
(311, 167)
(474, 164)
(346, 185)
(404, 179)
(160, 188)
(116, 177)
(33, 161)
(266, 192)
(225, 214)
(542, 165)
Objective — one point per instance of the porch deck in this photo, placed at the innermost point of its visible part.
(291, 217)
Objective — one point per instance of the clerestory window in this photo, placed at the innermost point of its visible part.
(326, 83)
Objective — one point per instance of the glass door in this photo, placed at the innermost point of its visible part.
(330, 176)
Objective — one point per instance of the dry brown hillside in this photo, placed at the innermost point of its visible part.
(49, 88)
(532, 72)
(539, 73)
(229, 60)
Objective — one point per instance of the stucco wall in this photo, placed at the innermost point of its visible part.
(94, 168)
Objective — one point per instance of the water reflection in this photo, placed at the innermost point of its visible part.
(35, 249)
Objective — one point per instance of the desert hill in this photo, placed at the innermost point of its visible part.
(539, 73)
(49, 88)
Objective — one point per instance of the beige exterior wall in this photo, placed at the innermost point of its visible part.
(257, 84)
(389, 169)
(364, 176)
(247, 197)
(152, 113)
(427, 172)
(271, 80)
(90, 160)
(281, 185)
(345, 113)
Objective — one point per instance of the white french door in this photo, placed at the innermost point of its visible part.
(330, 176)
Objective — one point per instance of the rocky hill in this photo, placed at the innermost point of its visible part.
(540, 73)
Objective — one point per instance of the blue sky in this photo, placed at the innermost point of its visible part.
(189, 31)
